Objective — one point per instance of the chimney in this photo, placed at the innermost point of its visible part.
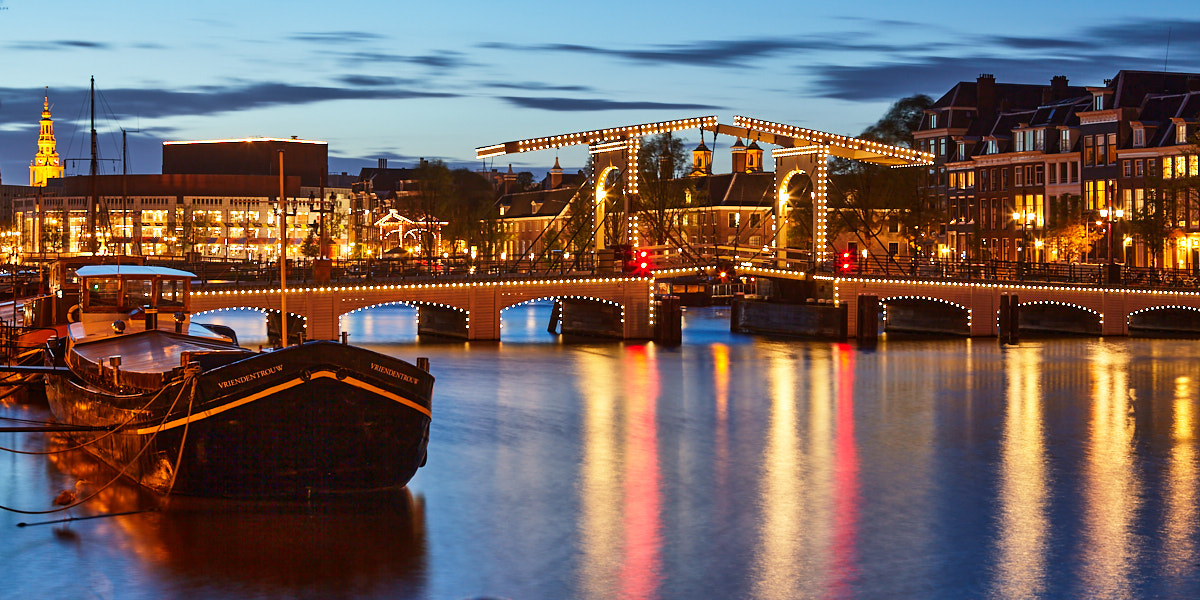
(737, 154)
(1058, 88)
(985, 94)
(383, 163)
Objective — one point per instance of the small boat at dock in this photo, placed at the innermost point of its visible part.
(181, 408)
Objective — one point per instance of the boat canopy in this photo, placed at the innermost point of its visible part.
(131, 271)
(121, 288)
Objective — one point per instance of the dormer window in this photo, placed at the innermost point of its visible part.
(1098, 102)
(1139, 137)
(1064, 140)
(1181, 133)
(962, 151)
(933, 121)
(991, 147)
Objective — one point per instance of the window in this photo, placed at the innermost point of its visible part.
(1003, 179)
(1074, 172)
(1193, 166)
(755, 219)
(1139, 168)
(1127, 168)
(1039, 174)
(1139, 137)
(1064, 140)
(1151, 166)
(962, 151)
(1112, 149)
(942, 147)
(1039, 140)
(103, 292)
(893, 248)
(1089, 150)
(1053, 174)
(933, 121)
(1019, 176)
(991, 147)
(1181, 133)
(1101, 149)
(1019, 141)
(1098, 102)
(733, 220)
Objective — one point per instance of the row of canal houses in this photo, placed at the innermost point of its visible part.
(1018, 164)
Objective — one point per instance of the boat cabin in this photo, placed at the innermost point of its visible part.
(117, 340)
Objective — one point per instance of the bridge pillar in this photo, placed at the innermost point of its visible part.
(441, 321)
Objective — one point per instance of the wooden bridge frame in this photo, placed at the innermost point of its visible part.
(802, 152)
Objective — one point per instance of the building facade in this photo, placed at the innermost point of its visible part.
(1059, 173)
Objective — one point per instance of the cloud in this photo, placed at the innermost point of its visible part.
(720, 53)
(447, 59)
(530, 86)
(214, 99)
(52, 46)
(336, 37)
(372, 80)
(592, 104)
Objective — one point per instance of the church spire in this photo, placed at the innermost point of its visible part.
(46, 164)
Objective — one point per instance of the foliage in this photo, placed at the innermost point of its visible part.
(310, 247)
(870, 196)
(1071, 235)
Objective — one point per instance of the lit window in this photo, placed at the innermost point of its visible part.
(1181, 133)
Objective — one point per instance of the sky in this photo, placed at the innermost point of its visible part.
(435, 80)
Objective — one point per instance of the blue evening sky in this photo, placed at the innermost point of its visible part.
(404, 80)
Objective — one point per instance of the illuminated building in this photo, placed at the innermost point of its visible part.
(46, 164)
(1013, 162)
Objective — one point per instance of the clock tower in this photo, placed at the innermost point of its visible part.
(46, 164)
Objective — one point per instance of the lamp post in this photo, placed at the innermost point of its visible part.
(1109, 215)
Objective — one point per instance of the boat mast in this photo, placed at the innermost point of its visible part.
(91, 216)
(283, 313)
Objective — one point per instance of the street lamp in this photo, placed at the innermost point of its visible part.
(1110, 215)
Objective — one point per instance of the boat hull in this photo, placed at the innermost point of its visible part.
(318, 419)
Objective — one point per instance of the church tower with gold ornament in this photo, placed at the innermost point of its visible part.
(46, 164)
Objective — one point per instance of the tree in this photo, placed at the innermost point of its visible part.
(661, 192)
(1154, 223)
(310, 247)
(867, 196)
(1071, 234)
(525, 181)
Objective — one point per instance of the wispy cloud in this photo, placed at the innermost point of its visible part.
(593, 104)
(58, 45)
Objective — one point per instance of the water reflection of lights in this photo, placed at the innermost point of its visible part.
(640, 568)
(786, 490)
(268, 549)
(1181, 519)
(1111, 487)
(809, 495)
(621, 491)
(1023, 522)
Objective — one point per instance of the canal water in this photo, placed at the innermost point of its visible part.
(732, 467)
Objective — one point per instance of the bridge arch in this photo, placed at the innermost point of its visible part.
(1055, 316)
(1166, 320)
(925, 314)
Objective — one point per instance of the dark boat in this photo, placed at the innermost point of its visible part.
(181, 408)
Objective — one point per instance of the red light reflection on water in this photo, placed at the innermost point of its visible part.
(640, 563)
(845, 479)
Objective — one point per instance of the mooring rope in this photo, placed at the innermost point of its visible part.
(183, 439)
(112, 431)
(187, 380)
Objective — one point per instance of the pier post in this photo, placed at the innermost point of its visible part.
(867, 319)
(668, 325)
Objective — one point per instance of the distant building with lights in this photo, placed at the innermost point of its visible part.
(1017, 163)
(192, 207)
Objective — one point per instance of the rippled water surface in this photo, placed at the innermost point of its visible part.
(732, 467)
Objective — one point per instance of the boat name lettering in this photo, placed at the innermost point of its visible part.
(251, 377)
(394, 373)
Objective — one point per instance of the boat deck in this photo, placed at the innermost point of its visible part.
(147, 352)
